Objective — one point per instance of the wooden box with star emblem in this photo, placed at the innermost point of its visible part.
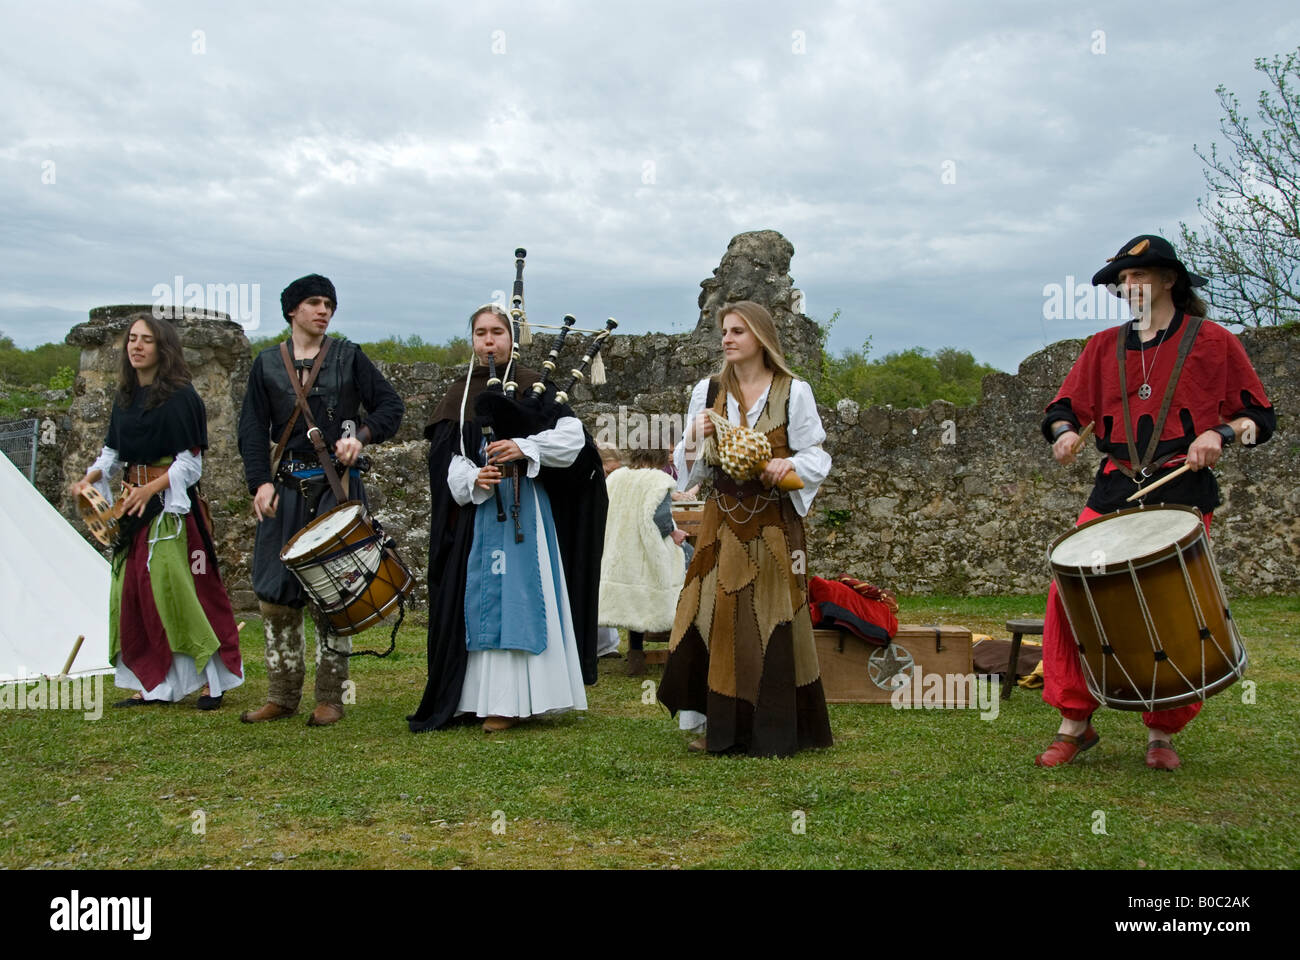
(854, 671)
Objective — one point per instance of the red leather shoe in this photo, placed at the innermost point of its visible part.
(1065, 748)
(1161, 755)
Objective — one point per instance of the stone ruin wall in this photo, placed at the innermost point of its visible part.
(934, 500)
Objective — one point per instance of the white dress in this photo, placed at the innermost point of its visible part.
(515, 683)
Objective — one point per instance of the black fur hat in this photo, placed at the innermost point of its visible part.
(312, 285)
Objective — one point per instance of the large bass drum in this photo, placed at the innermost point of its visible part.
(1143, 596)
(348, 568)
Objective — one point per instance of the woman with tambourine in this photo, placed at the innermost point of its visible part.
(512, 600)
(171, 628)
(741, 654)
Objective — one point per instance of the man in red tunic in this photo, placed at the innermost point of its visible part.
(1217, 400)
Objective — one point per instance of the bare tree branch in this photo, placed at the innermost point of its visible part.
(1250, 244)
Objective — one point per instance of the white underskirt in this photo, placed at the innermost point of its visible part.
(607, 641)
(691, 721)
(182, 679)
(513, 683)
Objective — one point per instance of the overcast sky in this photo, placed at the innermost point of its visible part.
(935, 164)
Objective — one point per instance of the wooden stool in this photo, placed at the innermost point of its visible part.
(1017, 629)
(656, 656)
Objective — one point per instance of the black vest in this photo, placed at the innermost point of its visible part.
(332, 400)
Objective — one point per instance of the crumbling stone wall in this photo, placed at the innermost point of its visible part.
(930, 500)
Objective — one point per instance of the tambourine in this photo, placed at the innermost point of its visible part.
(100, 517)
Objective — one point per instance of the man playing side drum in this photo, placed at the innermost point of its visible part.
(1217, 400)
(346, 383)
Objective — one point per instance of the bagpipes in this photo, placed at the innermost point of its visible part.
(504, 414)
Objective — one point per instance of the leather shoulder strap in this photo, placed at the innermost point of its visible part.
(1121, 357)
(1191, 328)
(313, 432)
(293, 379)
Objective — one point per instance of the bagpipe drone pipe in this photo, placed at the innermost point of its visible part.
(508, 412)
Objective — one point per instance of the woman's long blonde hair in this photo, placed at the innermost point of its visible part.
(761, 324)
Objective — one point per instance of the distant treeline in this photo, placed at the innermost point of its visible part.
(51, 366)
(907, 378)
(410, 349)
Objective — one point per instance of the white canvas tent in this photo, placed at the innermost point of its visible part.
(53, 587)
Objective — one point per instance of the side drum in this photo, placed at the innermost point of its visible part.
(348, 568)
(1143, 596)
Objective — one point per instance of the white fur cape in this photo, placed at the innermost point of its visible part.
(642, 571)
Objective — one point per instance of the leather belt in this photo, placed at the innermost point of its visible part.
(723, 483)
(138, 474)
(294, 465)
(1164, 463)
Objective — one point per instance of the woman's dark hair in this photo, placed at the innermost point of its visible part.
(173, 372)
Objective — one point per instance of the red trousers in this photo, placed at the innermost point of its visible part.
(1064, 686)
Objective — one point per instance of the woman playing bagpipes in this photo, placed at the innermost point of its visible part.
(512, 599)
(741, 652)
(171, 629)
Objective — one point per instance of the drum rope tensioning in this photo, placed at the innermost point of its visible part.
(1144, 599)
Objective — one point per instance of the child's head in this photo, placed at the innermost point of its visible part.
(646, 458)
(609, 458)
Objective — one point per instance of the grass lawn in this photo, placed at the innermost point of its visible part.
(615, 787)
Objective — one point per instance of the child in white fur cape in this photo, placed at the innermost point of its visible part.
(644, 564)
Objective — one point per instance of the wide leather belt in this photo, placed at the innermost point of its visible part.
(138, 474)
(723, 483)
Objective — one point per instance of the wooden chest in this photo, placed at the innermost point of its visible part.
(688, 514)
(854, 671)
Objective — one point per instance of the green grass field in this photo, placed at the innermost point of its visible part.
(615, 787)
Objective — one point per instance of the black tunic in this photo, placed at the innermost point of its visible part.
(347, 383)
(142, 434)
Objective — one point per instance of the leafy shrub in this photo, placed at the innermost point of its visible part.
(35, 367)
(63, 378)
(905, 378)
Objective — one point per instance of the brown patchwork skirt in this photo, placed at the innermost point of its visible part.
(742, 648)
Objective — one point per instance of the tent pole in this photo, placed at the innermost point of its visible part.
(76, 647)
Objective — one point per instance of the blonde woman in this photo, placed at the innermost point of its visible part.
(741, 654)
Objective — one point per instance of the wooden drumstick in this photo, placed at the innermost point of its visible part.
(1159, 483)
(76, 647)
(1083, 438)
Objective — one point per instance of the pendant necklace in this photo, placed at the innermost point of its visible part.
(1144, 391)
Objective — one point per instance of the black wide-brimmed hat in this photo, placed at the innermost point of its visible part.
(1144, 251)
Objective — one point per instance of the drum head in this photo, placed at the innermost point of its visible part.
(322, 530)
(1126, 536)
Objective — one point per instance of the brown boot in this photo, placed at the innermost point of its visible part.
(268, 711)
(635, 663)
(497, 724)
(325, 714)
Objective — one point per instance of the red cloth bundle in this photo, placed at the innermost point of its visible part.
(856, 606)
